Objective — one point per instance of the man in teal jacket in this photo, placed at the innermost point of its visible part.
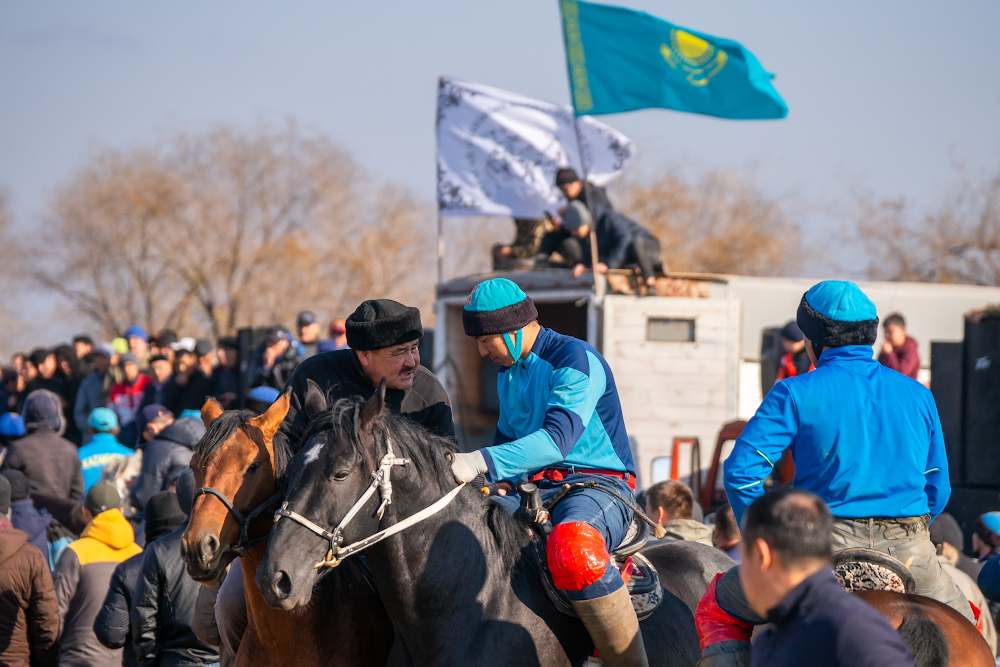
(561, 423)
(864, 438)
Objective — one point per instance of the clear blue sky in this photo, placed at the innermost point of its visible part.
(885, 95)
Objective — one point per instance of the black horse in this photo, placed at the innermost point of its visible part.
(461, 587)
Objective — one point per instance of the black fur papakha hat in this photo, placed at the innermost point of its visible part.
(379, 323)
(835, 313)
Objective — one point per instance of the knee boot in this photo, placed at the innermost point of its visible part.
(613, 626)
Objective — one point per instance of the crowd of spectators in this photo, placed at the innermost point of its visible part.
(95, 487)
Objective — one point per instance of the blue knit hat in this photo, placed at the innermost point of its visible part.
(835, 313)
(136, 330)
(11, 425)
(499, 306)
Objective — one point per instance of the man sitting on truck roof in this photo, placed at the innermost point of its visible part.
(560, 423)
(865, 439)
(621, 242)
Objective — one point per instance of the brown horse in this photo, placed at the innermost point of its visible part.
(236, 469)
(915, 616)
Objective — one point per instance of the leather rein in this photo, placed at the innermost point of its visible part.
(382, 484)
(244, 543)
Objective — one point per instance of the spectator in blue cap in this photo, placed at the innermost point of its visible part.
(11, 428)
(795, 360)
(865, 439)
(260, 399)
(138, 344)
(102, 446)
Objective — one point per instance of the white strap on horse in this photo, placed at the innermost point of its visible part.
(383, 485)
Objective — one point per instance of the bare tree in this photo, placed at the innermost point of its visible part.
(957, 243)
(224, 229)
(717, 223)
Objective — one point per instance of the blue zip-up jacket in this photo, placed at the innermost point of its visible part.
(558, 408)
(100, 450)
(864, 438)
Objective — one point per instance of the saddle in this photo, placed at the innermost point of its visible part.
(869, 570)
(640, 577)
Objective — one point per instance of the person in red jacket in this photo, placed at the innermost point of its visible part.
(126, 397)
(794, 360)
(899, 351)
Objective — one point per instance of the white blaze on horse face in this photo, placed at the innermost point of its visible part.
(313, 453)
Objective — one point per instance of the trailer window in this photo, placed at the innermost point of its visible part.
(670, 330)
(661, 468)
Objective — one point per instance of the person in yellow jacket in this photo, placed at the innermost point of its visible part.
(83, 574)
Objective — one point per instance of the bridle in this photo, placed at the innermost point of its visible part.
(381, 483)
(244, 542)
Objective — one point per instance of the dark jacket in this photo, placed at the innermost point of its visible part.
(598, 193)
(82, 577)
(615, 233)
(50, 462)
(279, 374)
(164, 457)
(163, 608)
(91, 394)
(820, 625)
(24, 516)
(190, 396)
(29, 615)
(339, 374)
(112, 623)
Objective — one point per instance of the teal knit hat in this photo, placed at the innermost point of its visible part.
(499, 306)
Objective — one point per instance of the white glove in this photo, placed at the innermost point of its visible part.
(466, 467)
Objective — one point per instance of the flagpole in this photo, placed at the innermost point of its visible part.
(440, 248)
(599, 279)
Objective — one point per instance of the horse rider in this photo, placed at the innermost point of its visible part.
(560, 423)
(383, 338)
(865, 438)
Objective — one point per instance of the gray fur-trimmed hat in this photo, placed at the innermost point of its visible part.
(379, 323)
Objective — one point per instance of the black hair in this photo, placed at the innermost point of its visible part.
(39, 355)
(83, 338)
(895, 319)
(796, 524)
(725, 524)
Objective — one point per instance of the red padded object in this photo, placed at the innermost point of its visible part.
(714, 624)
(577, 555)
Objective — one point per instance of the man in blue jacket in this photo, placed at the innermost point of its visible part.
(560, 423)
(865, 439)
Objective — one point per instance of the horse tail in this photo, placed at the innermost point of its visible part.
(925, 639)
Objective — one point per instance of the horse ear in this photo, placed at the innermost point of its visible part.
(210, 412)
(269, 422)
(315, 402)
(373, 408)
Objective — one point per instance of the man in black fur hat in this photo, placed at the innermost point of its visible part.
(383, 336)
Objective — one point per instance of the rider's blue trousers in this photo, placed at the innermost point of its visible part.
(608, 515)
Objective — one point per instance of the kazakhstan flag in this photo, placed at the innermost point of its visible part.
(621, 60)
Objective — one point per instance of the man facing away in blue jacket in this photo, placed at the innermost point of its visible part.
(865, 438)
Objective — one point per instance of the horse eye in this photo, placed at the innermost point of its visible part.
(254, 467)
(341, 476)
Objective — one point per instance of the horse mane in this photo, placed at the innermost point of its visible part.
(429, 455)
(225, 425)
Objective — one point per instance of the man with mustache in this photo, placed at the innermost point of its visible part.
(383, 336)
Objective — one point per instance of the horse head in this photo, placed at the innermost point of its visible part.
(332, 470)
(234, 468)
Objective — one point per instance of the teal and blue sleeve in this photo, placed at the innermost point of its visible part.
(937, 484)
(759, 448)
(571, 404)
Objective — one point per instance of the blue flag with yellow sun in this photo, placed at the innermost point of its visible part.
(621, 60)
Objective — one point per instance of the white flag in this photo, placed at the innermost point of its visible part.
(498, 152)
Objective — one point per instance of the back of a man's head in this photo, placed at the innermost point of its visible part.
(673, 496)
(727, 531)
(795, 524)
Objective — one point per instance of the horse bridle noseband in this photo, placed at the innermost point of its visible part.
(244, 542)
(381, 483)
